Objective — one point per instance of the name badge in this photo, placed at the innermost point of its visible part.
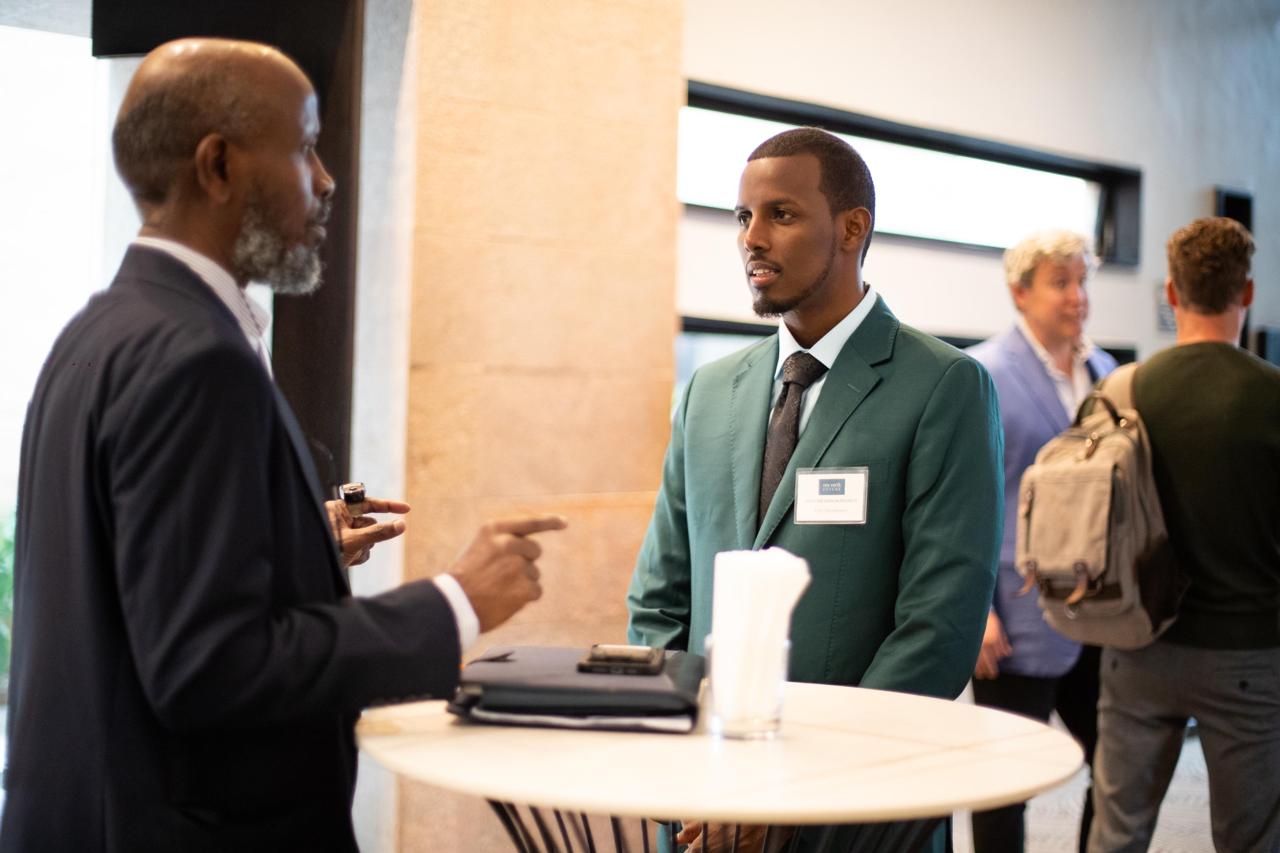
(831, 496)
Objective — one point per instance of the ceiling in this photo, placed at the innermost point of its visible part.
(71, 17)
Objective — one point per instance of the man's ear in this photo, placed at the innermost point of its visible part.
(855, 227)
(1248, 293)
(1170, 293)
(1019, 294)
(214, 167)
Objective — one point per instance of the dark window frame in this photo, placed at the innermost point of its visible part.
(710, 326)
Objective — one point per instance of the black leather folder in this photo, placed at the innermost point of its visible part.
(541, 686)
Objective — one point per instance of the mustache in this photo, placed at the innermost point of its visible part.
(322, 215)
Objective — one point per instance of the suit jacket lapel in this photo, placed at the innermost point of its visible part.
(157, 267)
(1030, 372)
(1095, 365)
(848, 383)
(302, 456)
(748, 423)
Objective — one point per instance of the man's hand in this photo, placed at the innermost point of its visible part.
(356, 533)
(995, 645)
(497, 571)
(718, 838)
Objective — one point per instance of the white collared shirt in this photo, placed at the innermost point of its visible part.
(1071, 389)
(825, 350)
(253, 321)
(251, 316)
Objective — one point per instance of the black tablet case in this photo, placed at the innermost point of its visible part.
(544, 681)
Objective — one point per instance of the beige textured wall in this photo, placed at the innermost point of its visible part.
(542, 309)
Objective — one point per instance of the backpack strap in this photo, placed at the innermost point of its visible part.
(1118, 385)
(1114, 392)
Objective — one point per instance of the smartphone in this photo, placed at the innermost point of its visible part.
(622, 660)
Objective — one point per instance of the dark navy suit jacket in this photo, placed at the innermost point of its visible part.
(1031, 413)
(187, 658)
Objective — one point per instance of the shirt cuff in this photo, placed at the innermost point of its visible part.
(464, 615)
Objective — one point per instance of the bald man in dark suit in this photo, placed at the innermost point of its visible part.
(188, 661)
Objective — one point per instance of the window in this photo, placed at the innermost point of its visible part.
(941, 189)
(930, 194)
(930, 185)
(52, 166)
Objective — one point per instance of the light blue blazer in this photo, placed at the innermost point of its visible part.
(1031, 414)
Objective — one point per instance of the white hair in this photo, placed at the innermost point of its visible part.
(1021, 260)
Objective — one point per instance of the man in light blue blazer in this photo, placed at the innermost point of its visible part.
(1043, 367)
(900, 591)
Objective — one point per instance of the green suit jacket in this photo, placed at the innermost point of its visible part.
(897, 603)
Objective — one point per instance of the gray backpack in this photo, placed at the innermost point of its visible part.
(1091, 533)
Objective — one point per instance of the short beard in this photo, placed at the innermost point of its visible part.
(766, 307)
(261, 253)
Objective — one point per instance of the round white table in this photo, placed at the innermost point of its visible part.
(844, 755)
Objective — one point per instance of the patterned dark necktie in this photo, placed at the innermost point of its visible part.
(799, 371)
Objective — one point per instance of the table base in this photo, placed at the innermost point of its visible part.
(897, 836)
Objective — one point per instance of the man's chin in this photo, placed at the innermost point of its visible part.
(264, 255)
(297, 274)
(303, 286)
(295, 288)
(767, 308)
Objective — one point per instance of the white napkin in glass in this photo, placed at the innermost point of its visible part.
(753, 595)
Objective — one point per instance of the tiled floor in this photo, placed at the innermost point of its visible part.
(1053, 819)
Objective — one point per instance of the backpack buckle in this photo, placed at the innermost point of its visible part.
(1082, 585)
(1030, 570)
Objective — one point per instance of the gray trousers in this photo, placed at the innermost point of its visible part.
(1146, 698)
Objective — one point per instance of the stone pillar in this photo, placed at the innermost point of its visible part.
(542, 310)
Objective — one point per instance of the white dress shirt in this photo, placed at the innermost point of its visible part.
(1071, 389)
(825, 351)
(253, 322)
(251, 316)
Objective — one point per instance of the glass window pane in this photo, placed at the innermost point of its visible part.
(53, 165)
(919, 192)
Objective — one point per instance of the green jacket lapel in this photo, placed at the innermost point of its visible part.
(748, 422)
(848, 383)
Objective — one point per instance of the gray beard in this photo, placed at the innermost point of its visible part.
(260, 254)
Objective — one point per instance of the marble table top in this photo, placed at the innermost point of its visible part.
(844, 755)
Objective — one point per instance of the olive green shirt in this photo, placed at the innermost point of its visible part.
(1213, 414)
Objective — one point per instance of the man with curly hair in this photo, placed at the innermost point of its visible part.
(1212, 412)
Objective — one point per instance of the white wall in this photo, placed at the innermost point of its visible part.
(1186, 90)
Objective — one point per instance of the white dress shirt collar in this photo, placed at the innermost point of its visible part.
(252, 317)
(829, 345)
(1071, 389)
(826, 350)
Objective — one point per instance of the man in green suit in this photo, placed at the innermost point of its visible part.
(900, 590)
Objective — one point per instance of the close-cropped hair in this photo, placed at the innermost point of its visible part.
(845, 179)
(156, 134)
(1055, 244)
(1209, 263)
